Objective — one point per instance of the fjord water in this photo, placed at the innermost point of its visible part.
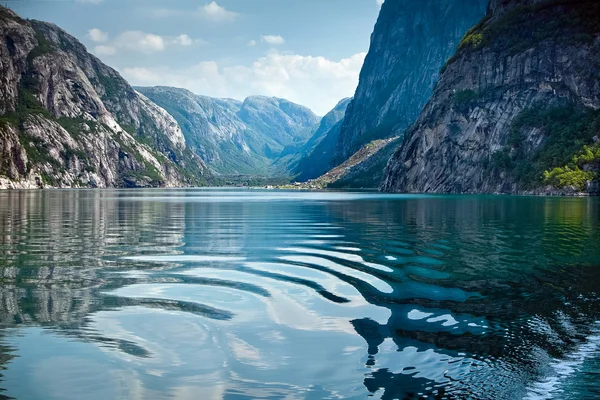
(235, 294)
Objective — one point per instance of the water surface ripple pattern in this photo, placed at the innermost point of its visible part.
(237, 294)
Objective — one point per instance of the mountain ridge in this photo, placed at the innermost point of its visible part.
(68, 120)
(236, 137)
(516, 109)
(411, 41)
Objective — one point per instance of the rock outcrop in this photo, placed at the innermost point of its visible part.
(517, 102)
(236, 137)
(68, 120)
(360, 171)
(411, 42)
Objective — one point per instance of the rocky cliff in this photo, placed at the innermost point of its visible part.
(236, 137)
(516, 108)
(411, 41)
(67, 120)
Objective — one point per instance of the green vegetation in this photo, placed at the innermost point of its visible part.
(7, 13)
(589, 155)
(27, 104)
(567, 129)
(147, 173)
(573, 174)
(112, 90)
(252, 181)
(474, 37)
(44, 46)
(465, 96)
(463, 100)
(526, 26)
(69, 154)
(37, 151)
(75, 126)
(369, 173)
(129, 129)
(563, 177)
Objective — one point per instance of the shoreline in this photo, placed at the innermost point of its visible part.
(550, 193)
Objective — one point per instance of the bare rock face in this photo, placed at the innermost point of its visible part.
(14, 50)
(519, 97)
(411, 42)
(68, 120)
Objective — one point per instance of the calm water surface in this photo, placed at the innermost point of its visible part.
(235, 294)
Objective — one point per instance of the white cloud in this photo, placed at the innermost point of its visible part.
(141, 42)
(379, 2)
(273, 39)
(252, 43)
(184, 40)
(217, 13)
(105, 50)
(316, 82)
(210, 11)
(97, 36)
(138, 41)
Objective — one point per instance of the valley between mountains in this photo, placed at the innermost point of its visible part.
(455, 96)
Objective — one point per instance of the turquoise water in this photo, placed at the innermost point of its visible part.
(238, 294)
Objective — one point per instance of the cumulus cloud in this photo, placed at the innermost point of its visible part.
(316, 82)
(183, 40)
(215, 12)
(97, 36)
(139, 42)
(379, 2)
(252, 43)
(273, 39)
(142, 42)
(209, 12)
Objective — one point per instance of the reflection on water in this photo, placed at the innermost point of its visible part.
(235, 294)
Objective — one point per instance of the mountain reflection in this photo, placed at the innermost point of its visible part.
(446, 293)
(526, 271)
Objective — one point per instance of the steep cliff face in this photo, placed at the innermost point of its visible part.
(67, 120)
(518, 99)
(411, 41)
(236, 137)
(316, 154)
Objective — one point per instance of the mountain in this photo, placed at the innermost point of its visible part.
(517, 108)
(314, 157)
(411, 41)
(236, 137)
(361, 171)
(68, 120)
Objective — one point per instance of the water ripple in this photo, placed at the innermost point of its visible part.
(251, 294)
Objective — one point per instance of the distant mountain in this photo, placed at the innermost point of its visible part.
(68, 120)
(315, 157)
(236, 137)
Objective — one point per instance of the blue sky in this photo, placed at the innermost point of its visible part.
(309, 51)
